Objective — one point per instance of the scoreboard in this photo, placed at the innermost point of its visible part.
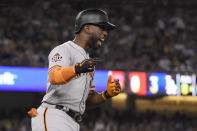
(150, 84)
(136, 83)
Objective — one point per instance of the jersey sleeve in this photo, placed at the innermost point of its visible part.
(59, 56)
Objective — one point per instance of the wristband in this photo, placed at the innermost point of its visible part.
(105, 95)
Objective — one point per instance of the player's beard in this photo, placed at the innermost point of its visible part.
(92, 42)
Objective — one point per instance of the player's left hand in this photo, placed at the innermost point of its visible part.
(113, 88)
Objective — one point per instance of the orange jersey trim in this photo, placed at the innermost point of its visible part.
(44, 115)
(59, 75)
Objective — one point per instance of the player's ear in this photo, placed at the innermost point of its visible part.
(87, 29)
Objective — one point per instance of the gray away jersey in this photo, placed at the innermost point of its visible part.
(74, 93)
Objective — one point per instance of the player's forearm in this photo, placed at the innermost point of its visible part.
(60, 75)
(94, 100)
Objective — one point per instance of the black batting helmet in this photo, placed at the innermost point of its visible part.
(93, 17)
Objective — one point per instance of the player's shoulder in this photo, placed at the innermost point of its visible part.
(61, 48)
(66, 44)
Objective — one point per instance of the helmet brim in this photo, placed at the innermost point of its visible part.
(106, 26)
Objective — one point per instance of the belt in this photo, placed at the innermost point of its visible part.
(73, 114)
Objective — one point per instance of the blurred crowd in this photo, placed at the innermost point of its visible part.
(114, 120)
(14, 120)
(147, 38)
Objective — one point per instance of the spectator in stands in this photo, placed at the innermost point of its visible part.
(140, 42)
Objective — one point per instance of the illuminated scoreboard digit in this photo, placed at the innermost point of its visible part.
(187, 85)
(137, 83)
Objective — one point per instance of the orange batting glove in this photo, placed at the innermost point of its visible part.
(113, 88)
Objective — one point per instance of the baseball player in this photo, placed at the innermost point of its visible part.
(70, 87)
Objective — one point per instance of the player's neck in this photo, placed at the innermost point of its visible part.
(81, 42)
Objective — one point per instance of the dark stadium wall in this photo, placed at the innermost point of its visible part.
(27, 100)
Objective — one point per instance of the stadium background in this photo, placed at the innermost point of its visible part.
(152, 36)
